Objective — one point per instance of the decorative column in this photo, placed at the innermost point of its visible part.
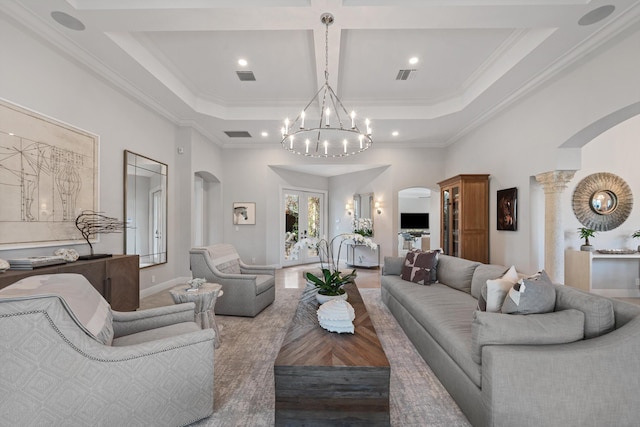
(553, 184)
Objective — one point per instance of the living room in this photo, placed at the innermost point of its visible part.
(579, 113)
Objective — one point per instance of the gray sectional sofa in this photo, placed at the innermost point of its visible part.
(588, 380)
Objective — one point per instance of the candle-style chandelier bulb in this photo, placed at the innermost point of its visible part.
(318, 138)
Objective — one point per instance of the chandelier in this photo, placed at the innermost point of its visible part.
(315, 137)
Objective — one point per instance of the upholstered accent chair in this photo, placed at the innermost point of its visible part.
(67, 359)
(248, 289)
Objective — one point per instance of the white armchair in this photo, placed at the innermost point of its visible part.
(248, 289)
(67, 359)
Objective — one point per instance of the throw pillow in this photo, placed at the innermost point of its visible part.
(535, 329)
(420, 267)
(495, 291)
(532, 295)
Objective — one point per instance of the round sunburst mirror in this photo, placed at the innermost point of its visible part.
(602, 201)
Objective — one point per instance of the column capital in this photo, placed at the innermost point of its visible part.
(555, 181)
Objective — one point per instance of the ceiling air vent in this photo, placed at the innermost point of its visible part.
(406, 74)
(246, 76)
(237, 134)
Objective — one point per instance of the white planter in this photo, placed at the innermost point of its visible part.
(324, 298)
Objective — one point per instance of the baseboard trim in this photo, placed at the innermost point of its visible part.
(152, 290)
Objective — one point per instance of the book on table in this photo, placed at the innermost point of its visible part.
(29, 263)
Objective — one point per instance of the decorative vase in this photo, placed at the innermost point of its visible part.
(324, 298)
(588, 248)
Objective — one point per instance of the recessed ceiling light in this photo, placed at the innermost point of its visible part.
(265, 134)
(395, 133)
(67, 20)
(242, 62)
(413, 60)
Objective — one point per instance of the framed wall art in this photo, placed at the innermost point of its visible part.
(244, 213)
(48, 175)
(507, 209)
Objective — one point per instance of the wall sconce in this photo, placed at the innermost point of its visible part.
(347, 207)
(378, 208)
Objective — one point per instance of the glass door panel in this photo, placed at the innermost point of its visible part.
(455, 221)
(303, 218)
(446, 202)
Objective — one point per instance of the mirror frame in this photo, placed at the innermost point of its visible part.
(359, 200)
(136, 161)
(586, 192)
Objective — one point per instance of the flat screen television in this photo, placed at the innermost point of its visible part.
(414, 220)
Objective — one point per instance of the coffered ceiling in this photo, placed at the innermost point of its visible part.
(180, 57)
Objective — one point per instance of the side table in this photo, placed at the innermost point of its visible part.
(205, 299)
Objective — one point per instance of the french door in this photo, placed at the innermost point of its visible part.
(303, 216)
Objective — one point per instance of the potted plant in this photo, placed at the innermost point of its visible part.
(330, 282)
(635, 235)
(585, 233)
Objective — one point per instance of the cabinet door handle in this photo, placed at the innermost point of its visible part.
(107, 289)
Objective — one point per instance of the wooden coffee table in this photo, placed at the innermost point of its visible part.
(325, 378)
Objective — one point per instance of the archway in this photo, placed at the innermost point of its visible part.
(207, 209)
(414, 219)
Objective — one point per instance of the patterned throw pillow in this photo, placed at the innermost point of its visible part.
(532, 295)
(495, 291)
(420, 267)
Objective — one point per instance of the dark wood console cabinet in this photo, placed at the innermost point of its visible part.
(117, 278)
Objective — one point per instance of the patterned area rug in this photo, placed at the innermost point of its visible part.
(244, 388)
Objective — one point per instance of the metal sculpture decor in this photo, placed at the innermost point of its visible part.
(91, 223)
(602, 201)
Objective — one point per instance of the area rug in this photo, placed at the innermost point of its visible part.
(244, 387)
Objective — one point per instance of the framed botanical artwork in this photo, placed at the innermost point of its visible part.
(244, 213)
(48, 176)
(508, 209)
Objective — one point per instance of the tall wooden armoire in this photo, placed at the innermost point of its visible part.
(464, 216)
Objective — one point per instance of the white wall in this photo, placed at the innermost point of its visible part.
(36, 76)
(523, 141)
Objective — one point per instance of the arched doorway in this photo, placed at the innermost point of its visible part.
(207, 209)
(414, 219)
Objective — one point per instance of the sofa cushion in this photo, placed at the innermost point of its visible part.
(482, 273)
(264, 282)
(392, 265)
(445, 313)
(225, 258)
(420, 267)
(85, 302)
(156, 334)
(456, 272)
(534, 329)
(598, 311)
(495, 291)
(532, 295)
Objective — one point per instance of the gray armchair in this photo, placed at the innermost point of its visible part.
(248, 289)
(76, 362)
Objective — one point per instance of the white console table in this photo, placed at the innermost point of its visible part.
(362, 256)
(603, 274)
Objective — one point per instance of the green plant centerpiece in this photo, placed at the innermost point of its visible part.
(330, 282)
(585, 233)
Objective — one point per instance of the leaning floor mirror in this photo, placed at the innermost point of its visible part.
(145, 209)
